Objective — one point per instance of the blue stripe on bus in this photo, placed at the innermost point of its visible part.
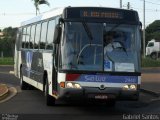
(108, 79)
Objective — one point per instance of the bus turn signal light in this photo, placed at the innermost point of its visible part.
(62, 84)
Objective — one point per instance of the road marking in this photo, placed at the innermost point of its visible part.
(155, 99)
(4, 73)
(7, 72)
(11, 72)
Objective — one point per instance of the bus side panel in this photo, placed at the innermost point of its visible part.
(48, 65)
(32, 67)
(18, 64)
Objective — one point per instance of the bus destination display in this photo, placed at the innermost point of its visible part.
(101, 14)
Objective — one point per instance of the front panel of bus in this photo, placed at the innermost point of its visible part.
(87, 67)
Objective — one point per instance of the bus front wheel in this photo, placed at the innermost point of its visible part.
(50, 101)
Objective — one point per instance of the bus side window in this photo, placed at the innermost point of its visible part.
(28, 37)
(32, 36)
(37, 36)
(50, 34)
(43, 35)
(57, 20)
(23, 37)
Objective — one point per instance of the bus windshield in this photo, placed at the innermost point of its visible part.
(80, 52)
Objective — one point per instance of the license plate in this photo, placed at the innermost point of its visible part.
(101, 97)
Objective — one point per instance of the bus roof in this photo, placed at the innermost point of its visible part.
(75, 12)
(49, 14)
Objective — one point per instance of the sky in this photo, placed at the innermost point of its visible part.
(13, 12)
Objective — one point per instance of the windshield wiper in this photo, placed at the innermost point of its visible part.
(87, 29)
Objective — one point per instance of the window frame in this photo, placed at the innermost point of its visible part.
(46, 32)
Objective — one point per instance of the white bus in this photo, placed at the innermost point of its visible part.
(62, 53)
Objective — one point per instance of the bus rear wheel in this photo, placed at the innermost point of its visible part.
(50, 101)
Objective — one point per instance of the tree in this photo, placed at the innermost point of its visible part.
(8, 41)
(39, 2)
(153, 31)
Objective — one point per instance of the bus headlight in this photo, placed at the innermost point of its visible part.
(73, 85)
(125, 87)
(69, 85)
(129, 87)
(77, 86)
(133, 87)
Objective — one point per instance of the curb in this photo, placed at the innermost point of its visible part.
(11, 72)
(150, 92)
(146, 68)
(7, 65)
(4, 92)
(12, 91)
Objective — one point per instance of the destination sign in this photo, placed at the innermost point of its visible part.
(101, 14)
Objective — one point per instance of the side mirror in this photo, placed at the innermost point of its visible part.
(57, 34)
(140, 23)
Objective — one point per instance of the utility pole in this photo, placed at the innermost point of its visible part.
(120, 3)
(128, 6)
(144, 29)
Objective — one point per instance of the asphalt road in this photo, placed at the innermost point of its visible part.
(151, 70)
(29, 104)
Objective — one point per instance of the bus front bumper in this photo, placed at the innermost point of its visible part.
(96, 93)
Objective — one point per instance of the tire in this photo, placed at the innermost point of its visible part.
(154, 56)
(50, 101)
(23, 85)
